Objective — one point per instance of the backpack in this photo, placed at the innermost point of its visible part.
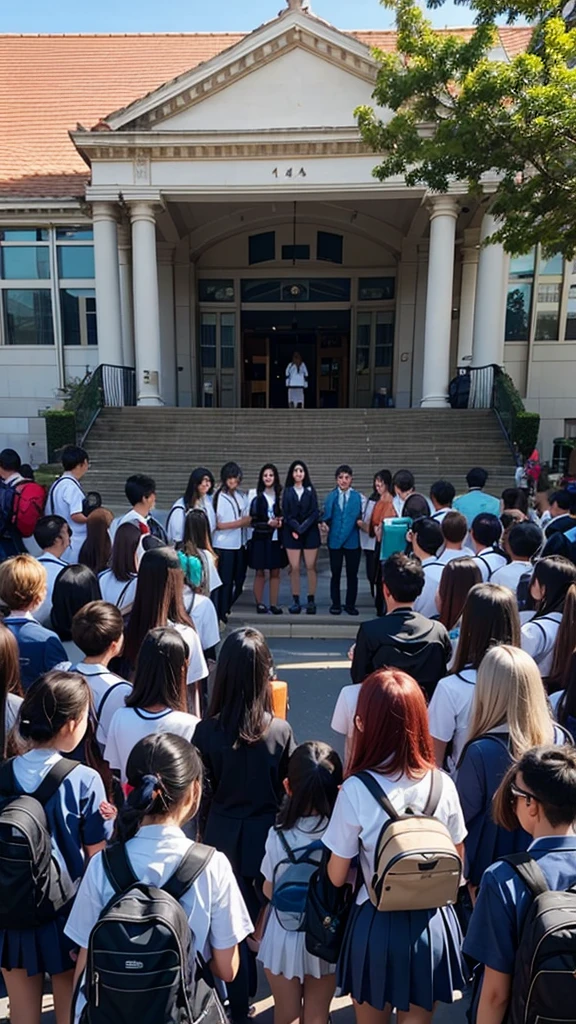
(32, 890)
(29, 502)
(290, 892)
(157, 530)
(140, 965)
(544, 979)
(416, 866)
(394, 536)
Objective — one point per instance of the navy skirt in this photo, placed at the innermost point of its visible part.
(401, 958)
(45, 950)
(264, 553)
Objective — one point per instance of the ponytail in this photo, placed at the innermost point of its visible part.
(161, 769)
(192, 568)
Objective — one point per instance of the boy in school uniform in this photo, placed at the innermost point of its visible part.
(454, 533)
(522, 544)
(475, 500)
(426, 539)
(442, 494)
(485, 534)
(140, 491)
(53, 536)
(66, 497)
(342, 510)
(22, 590)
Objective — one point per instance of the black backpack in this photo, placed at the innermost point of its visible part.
(139, 964)
(544, 980)
(32, 890)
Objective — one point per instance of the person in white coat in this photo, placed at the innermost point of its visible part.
(296, 381)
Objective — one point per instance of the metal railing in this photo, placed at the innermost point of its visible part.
(489, 390)
(107, 386)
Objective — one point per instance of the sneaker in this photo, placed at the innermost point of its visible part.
(334, 610)
(261, 609)
(275, 610)
(311, 608)
(295, 608)
(351, 611)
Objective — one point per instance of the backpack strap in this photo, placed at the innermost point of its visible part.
(124, 591)
(377, 792)
(8, 784)
(284, 843)
(480, 558)
(51, 782)
(118, 868)
(436, 787)
(109, 691)
(193, 863)
(529, 871)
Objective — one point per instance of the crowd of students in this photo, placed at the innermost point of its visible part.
(132, 736)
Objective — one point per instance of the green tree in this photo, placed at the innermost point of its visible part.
(458, 115)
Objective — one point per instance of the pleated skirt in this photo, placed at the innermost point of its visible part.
(44, 950)
(401, 958)
(283, 952)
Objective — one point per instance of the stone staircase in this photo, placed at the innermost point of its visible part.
(168, 443)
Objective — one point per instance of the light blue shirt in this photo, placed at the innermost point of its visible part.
(475, 502)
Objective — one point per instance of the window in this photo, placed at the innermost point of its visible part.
(316, 289)
(519, 297)
(28, 316)
(548, 295)
(375, 289)
(75, 234)
(78, 309)
(330, 247)
(262, 248)
(24, 235)
(384, 340)
(570, 428)
(76, 261)
(216, 291)
(227, 340)
(295, 252)
(26, 262)
(208, 340)
(571, 314)
(363, 343)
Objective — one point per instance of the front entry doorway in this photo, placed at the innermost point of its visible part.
(323, 340)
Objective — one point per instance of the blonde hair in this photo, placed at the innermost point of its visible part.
(509, 691)
(22, 582)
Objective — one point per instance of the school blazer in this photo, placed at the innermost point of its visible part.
(300, 516)
(259, 515)
(342, 522)
(39, 648)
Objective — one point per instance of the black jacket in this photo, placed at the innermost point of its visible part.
(259, 515)
(300, 515)
(405, 640)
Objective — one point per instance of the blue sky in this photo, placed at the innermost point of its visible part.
(194, 15)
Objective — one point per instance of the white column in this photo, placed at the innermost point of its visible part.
(146, 304)
(108, 315)
(125, 261)
(470, 255)
(488, 340)
(436, 374)
(167, 327)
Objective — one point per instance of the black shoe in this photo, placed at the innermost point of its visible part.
(261, 609)
(351, 611)
(311, 607)
(334, 610)
(295, 608)
(275, 610)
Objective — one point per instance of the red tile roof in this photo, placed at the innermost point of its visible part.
(49, 83)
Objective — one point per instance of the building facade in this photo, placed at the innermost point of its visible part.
(215, 223)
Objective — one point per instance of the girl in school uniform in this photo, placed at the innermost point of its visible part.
(245, 752)
(75, 586)
(266, 553)
(367, 538)
(404, 959)
(198, 544)
(158, 699)
(552, 580)
(490, 617)
(118, 583)
(10, 688)
(302, 985)
(457, 579)
(165, 773)
(97, 548)
(563, 702)
(383, 509)
(300, 533)
(198, 495)
(199, 608)
(538, 794)
(52, 721)
(229, 537)
(510, 715)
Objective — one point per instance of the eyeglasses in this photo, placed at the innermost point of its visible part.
(516, 794)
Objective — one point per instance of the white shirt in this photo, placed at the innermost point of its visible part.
(118, 592)
(13, 703)
(449, 711)
(509, 575)
(538, 637)
(488, 562)
(197, 668)
(214, 580)
(296, 377)
(53, 566)
(398, 503)
(177, 518)
(132, 516)
(204, 616)
(367, 543)
(65, 499)
(358, 818)
(229, 508)
(101, 681)
(440, 514)
(449, 554)
(426, 603)
(129, 725)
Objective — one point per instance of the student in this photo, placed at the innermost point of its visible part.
(515, 499)
(296, 381)
(509, 716)
(562, 512)
(159, 601)
(368, 538)
(563, 702)
(265, 551)
(405, 959)
(52, 535)
(475, 501)
(98, 631)
(538, 794)
(199, 607)
(157, 702)
(75, 586)
(402, 638)
(23, 590)
(10, 688)
(457, 579)
(165, 776)
(198, 544)
(11, 542)
(485, 534)
(53, 720)
(442, 494)
(342, 510)
(403, 483)
(198, 495)
(229, 537)
(140, 490)
(426, 539)
(522, 543)
(245, 751)
(300, 533)
(118, 583)
(66, 497)
(384, 509)
(490, 617)
(302, 985)
(97, 548)
(454, 532)
(553, 578)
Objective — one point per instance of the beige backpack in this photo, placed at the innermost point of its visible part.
(416, 866)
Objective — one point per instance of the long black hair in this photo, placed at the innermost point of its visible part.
(260, 486)
(9, 681)
(159, 598)
(241, 698)
(53, 700)
(555, 575)
(314, 775)
(161, 768)
(75, 586)
(124, 548)
(229, 471)
(197, 475)
(290, 479)
(160, 676)
(386, 477)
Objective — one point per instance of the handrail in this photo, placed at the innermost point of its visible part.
(107, 386)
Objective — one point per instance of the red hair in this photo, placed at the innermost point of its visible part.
(395, 734)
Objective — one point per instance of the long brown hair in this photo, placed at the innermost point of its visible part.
(9, 680)
(490, 617)
(123, 559)
(159, 598)
(457, 579)
(565, 643)
(97, 548)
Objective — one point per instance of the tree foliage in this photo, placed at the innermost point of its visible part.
(458, 114)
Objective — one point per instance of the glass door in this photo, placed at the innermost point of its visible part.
(217, 360)
(374, 358)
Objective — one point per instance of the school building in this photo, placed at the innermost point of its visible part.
(198, 206)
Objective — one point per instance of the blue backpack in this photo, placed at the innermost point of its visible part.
(290, 891)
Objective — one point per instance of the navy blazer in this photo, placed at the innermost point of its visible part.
(300, 515)
(40, 649)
